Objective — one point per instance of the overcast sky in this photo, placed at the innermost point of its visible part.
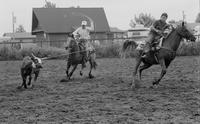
(118, 12)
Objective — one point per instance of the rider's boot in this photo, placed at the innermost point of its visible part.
(146, 50)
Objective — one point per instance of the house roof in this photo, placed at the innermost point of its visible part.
(64, 20)
(21, 35)
(117, 30)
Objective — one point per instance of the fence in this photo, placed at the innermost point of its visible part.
(61, 43)
(110, 48)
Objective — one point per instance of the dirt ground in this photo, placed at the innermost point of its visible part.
(106, 99)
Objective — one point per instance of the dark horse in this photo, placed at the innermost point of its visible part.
(76, 57)
(164, 56)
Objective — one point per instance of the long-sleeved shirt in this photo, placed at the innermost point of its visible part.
(84, 33)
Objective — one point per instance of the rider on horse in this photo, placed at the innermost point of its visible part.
(156, 32)
(83, 34)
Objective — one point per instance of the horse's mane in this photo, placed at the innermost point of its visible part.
(171, 32)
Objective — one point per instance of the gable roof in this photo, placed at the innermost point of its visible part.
(64, 20)
(116, 30)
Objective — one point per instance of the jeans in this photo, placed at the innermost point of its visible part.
(149, 41)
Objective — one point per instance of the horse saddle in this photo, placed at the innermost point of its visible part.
(157, 43)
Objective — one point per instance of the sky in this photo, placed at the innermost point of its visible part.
(118, 12)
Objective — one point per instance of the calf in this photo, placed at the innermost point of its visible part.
(30, 65)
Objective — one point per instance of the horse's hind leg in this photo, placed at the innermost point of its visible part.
(91, 67)
(134, 82)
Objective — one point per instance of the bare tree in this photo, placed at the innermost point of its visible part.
(144, 19)
(49, 4)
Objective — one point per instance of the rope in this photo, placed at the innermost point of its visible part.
(46, 58)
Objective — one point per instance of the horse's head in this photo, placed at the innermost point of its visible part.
(185, 33)
(71, 42)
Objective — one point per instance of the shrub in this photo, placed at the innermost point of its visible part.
(108, 50)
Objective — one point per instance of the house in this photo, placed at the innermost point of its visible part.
(195, 28)
(117, 35)
(25, 37)
(139, 33)
(54, 24)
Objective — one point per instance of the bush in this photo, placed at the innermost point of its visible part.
(109, 50)
(189, 49)
(10, 53)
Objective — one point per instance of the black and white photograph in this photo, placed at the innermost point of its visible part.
(100, 62)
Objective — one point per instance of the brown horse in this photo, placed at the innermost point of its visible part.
(164, 56)
(76, 57)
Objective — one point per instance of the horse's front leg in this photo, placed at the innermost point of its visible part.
(67, 71)
(92, 65)
(74, 68)
(134, 81)
(163, 72)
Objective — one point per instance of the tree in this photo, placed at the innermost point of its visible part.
(49, 4)
(198, 18)
(144, 19)
(20, 29)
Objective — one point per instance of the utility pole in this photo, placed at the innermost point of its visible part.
(183, 15)
(199, 6)
(13, 23)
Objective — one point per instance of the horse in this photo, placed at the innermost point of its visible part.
(76, 57)
(163, 56)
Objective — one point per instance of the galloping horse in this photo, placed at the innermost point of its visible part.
(164, 56)
(76, 57)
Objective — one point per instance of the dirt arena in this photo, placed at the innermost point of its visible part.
(107, 99)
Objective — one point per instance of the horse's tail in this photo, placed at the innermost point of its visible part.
(127, 45)
(94, 64)
(93, 60)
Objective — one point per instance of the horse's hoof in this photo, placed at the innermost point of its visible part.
(19, 87)
(91, 76)
(64, 80)
(155, 83)
(136, 83)
(81, 74)
(132, 86)
(31, 86)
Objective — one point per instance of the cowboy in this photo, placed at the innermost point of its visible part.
(156, 32)
(83, 34)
